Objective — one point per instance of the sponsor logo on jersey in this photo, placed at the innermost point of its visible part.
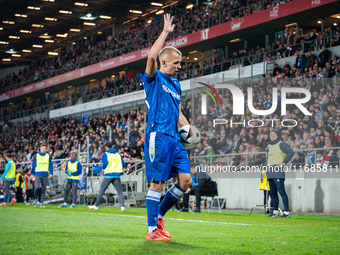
(166, 89)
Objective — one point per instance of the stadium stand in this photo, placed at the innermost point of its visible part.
(301, 46)
(135, 38)
(320, 130)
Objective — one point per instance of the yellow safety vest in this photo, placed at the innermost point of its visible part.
(72, 167)
(264, 184)
(16, 184)
(11, 172)
(275, 154)
(114, 163)
(43, 163)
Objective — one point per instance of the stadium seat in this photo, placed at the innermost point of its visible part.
(213, 197)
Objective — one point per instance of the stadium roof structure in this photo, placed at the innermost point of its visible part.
(29, 29)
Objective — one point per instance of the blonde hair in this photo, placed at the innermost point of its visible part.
(167, 50)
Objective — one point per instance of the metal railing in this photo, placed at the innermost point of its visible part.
(2, 165)
(56, 184)
(244, 158)
(132, 167)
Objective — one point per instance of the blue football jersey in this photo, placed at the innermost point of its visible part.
(162, 97)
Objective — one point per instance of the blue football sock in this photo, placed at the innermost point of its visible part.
(152, 203)
(170, 199)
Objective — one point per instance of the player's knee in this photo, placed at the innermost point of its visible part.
(157, 185)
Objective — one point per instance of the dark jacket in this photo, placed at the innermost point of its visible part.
(324, 57)
(310, 61)
(201, 180)
(257, 160)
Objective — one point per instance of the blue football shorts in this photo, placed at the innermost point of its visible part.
(165, 156)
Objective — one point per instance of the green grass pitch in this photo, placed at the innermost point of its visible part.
(53, 230)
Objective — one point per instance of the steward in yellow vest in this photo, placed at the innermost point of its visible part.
(9, 176)
(9, 173)
(73, 170)
(42, 167)
(279, 155)
(113, 165)
(42, 164)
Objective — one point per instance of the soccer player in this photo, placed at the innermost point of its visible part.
(73, 170)
(113, 165)
(165, 156)
(41, 165)
(9, 176)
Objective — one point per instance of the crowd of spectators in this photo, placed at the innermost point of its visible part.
(299, 46)
(308, 64)
(320, 130)
(137, 36)
(109, 89)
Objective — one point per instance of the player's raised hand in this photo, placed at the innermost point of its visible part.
(168, 26)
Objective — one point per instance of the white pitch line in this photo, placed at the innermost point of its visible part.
(198, 221)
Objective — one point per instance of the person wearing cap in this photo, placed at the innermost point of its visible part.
(9, 176)
(279, 154)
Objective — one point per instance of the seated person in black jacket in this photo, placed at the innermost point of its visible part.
(201, 185)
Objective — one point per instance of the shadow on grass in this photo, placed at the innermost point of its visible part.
(170, 245)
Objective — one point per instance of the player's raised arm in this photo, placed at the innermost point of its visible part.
(151, 65)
